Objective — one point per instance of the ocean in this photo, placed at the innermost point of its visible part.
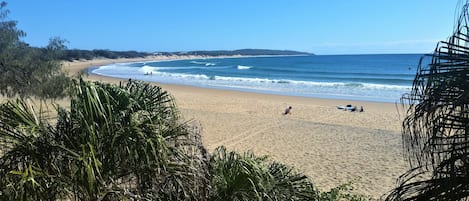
(380, 77)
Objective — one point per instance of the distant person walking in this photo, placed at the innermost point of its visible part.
(287, 111)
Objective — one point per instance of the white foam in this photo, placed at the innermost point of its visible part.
(240, 67)
(110, 69)
(286, 86)
(314, 84)
(113, 70)
(181, 76)
(147, 69)
(203, 63)
(197, 62)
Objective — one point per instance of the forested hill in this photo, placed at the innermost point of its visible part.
(253, 52)
(76, 54)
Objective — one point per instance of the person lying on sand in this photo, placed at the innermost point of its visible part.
(287, 111)
(350, 108)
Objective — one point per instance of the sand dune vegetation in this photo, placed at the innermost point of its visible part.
(113, 142)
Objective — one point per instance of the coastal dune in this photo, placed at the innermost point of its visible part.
(330, 146)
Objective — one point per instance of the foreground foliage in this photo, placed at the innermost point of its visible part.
(247, 177)
(436, 129)
(115, 142)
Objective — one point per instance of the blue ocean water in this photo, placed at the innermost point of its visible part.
(383, 78)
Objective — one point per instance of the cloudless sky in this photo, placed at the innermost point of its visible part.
(317, 26)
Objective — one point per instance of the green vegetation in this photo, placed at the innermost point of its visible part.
(74, 54)
(436, 129)
(28, 71)
(115, 142)
(343, 193)
(251, 52)
(247, 177)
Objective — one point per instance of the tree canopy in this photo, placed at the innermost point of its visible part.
(25, 70)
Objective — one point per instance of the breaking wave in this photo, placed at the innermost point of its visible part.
(240, 67)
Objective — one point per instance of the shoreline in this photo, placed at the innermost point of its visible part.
(330, 146)
(314, 95)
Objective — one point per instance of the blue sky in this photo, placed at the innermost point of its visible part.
(317, 26)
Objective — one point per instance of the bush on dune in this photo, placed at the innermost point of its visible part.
(115, 142)
(245, 177)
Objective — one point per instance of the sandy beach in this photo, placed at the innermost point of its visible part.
(331, 146)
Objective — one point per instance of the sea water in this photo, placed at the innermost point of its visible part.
(382, 77)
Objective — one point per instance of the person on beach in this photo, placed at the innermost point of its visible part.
(287, 111)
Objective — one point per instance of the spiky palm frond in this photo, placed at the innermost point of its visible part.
(28, 163)
(248, 177)
(136, 137)
(115, 142)
(290, 185)
(236, 176)
(436, 129)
